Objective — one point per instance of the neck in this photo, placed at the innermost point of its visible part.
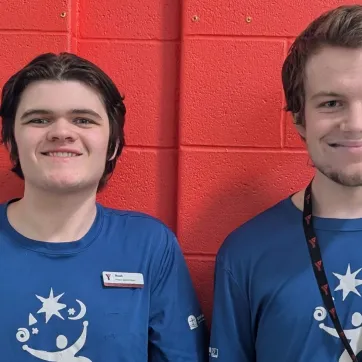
(332, 200)
(45, 216)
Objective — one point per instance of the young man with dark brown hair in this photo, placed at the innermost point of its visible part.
(78, 281)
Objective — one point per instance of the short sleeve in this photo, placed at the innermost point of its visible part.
(231, 333)
(177, 329)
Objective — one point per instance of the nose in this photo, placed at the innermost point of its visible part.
(61, 130)
(353, 121)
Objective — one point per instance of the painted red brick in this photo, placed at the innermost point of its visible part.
(157, 19)
(34, 15)
(220, 190)
(18, 49)
(277, 18)
(144, 180)
(292, 137)
(148, 76)
(231, 92)
(202, 274)
(11, 186)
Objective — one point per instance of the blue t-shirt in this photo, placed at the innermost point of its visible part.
(73, 301)
(267, 304)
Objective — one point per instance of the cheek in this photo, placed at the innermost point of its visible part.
(98, 144)
(24, 143)
(318, 132)
(320, 125)
(316, 127)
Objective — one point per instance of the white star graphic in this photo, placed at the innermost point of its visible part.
(51, 306)
(348, 282)
(71, 311)
(35, 331)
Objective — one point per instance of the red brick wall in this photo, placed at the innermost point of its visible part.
(208, 144)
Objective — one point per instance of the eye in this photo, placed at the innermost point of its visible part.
(39, 121)
(83, 121)
(331, 104)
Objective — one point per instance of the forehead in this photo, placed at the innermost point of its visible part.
(60, 96)
(334, 69)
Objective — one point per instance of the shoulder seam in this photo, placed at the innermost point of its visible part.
(228, 271)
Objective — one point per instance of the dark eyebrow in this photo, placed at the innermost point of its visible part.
(325, 94)
(85, 111)
(31, 112)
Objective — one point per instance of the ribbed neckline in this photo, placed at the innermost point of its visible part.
(321, 223)
(52, 247)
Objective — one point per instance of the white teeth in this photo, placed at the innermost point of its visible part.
(61, 154)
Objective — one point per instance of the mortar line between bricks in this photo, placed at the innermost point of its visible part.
(206, 148)
(202, 148)
(177, 125)
(150, 148)
(69, 33)
(283, 130)
(70, 25)
(283, 125)
(127, 40)
(74, 30)
(272, 38)
(203, 257)
(32, 32)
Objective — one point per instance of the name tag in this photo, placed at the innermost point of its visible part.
(122, 280)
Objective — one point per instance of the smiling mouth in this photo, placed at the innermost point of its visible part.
(347, 145)
(61, 154)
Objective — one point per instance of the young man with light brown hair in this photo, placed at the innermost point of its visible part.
(288, 283)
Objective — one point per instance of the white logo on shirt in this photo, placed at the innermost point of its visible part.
(51, 307)
(195, 322)
(348, 284)
(192, 322)
(213, 352)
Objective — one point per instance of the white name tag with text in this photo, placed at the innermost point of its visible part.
(122, 280)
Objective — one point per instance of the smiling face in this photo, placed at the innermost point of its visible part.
(333, 114)
(62, 134)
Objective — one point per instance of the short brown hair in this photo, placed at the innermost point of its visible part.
(340, 27)
(65, 66)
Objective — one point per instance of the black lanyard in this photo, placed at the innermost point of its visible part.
(318, 268)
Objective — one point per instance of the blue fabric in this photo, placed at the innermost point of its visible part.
(54, 305)
(267, 305)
